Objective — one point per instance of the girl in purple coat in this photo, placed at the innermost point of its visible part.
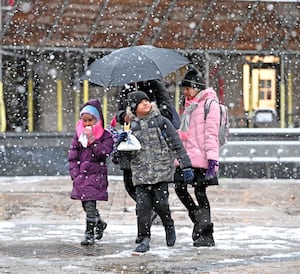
(88, 152)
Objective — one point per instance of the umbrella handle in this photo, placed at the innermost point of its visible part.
(126, 126)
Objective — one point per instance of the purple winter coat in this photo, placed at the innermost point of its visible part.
(88, 168)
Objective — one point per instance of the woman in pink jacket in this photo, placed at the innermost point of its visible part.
(201, 141)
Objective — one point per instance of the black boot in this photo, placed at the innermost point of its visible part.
(89, 234)
(206, 237)
(144, 246)
(201, 219)
(100, 227)
(170, 235)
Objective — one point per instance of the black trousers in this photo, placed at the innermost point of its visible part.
(199, 184)
(188, 201)
(130, 188)
(149, 197)
(90, 208)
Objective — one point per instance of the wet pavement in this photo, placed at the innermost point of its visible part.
(257, 230)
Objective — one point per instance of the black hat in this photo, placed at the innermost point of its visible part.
(134, 98)
(194, 79)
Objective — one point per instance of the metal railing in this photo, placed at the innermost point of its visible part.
(262, 145)
(261, 153)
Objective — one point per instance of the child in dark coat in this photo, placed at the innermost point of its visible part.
(153, 166)
(88, 152)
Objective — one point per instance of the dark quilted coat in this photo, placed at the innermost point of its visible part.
(160, 145)
(88, 168)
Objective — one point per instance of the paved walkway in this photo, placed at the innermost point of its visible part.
(257, 230)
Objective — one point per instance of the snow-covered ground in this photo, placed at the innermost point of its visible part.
(257, 230)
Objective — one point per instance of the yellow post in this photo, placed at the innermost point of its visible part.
(246, 85)
(282, 105)
(30, 105)
(105, 108)
(290, 99)
(2, 110)
(282, 95)
(250, 111)
(85, 91)
(59, 106)
(77, 106)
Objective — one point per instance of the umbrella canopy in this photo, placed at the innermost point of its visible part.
(134, 64)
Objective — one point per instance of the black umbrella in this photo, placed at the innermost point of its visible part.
(134, 64)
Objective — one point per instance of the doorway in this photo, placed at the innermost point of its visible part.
(264, 88)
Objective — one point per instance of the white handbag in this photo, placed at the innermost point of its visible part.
(131, 144)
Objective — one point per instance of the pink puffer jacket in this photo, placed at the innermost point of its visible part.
(201, 141)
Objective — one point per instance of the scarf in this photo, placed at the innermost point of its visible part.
(97, 131)
(186, 116)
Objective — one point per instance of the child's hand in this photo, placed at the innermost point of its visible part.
(210, 172)
(122, 136)
(188, 175)
(88, 132)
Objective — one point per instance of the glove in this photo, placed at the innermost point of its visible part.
(188, 175)
(122, 136)
(210, 172)
(88, 132)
